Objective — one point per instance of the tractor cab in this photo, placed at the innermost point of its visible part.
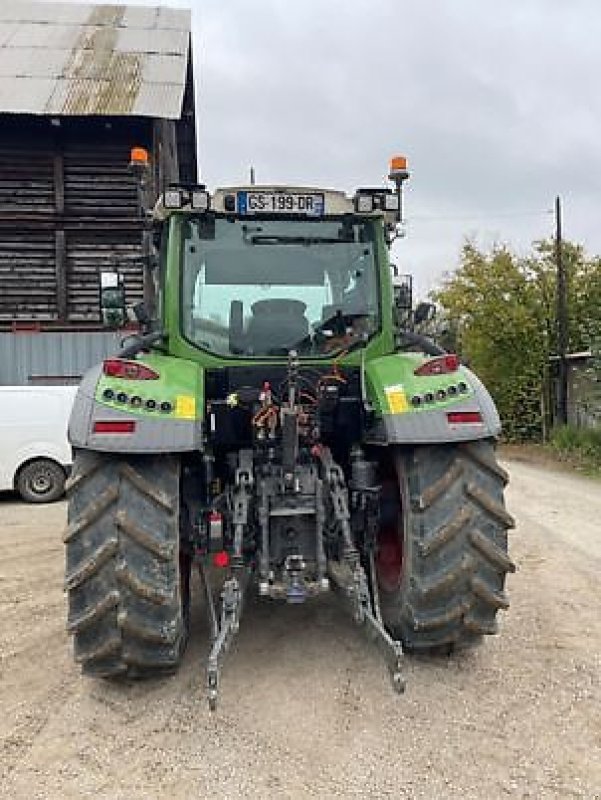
(262, 271)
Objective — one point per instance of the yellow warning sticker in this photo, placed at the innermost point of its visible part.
(397, 399)
(185, 406)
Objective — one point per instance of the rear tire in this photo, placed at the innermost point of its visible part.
(41, 481)
(123, 574)
(452, 537)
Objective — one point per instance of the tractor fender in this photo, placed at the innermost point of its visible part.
(393, 387)
(158, 432)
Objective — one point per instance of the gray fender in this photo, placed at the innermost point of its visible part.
(432, 426)
(151, 435)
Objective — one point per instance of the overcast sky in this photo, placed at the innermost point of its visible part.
(496, 104)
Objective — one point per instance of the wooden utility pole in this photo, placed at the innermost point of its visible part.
(561, 411)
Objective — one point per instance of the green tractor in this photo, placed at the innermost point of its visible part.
(279, 425)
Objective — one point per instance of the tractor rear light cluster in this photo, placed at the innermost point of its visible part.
(128, 370)
(442, 394)
(441, 365)
(165, 406)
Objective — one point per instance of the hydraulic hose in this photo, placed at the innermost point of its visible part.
(141, 343)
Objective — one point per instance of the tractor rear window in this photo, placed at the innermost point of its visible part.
(265, 288)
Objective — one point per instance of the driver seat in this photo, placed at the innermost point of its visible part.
(276, 324)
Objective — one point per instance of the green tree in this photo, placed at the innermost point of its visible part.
(502, 310)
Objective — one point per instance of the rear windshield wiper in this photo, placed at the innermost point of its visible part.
(303, 240)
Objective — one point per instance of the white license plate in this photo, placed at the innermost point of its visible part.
(310, 204)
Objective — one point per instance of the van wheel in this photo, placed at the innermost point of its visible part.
(41, 481)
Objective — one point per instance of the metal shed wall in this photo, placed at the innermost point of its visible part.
(48, 358)
(584, 393)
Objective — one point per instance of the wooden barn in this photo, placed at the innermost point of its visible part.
(80, 85)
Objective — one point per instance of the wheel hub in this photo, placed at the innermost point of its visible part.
(41, 482)
(389, 554)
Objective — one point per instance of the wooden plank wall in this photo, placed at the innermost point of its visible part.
(68, 207)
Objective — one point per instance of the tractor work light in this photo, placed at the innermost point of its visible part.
(364, 203)
(369, 200)
(128, 370)
(391, 202)
(200, 200)
(173, 199)
(441, 365)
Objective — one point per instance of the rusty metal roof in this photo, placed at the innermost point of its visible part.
(65, 59)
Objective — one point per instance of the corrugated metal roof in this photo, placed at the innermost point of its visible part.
(64, 59)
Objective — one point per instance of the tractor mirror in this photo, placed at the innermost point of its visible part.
(403, 292)
(112, 300)
(424, 313)
(142, 314)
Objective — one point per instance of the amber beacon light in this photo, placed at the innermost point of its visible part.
(398, 168)
(398, 174)
(139, 156)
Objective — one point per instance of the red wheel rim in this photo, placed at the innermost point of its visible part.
(389, 554)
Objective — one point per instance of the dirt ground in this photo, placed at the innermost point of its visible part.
(307, 709)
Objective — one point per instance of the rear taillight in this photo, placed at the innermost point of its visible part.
(441, 365)
(114, 426)
(464, 418)
(221, 559)
(130, 370)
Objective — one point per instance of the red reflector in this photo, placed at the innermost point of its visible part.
(221, 559)
(441, 365)
(464, 417)
(114, 426)
(130, 370)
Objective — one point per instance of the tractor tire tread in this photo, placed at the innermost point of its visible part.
(163, 551)
(455, 546)
(95, 510)
(435, 490)
(92, 564)
(94, 613)
(122, 574)
(486, 461)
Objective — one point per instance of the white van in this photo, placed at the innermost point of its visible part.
(35, 456)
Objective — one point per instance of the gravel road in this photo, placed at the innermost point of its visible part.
(307, 710)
